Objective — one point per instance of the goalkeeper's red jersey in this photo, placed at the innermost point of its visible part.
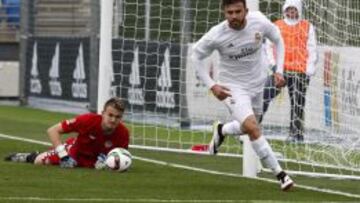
(91, 141)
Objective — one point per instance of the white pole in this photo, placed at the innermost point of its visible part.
(251, 162)
(116, 19)
(147, 19)
(105, 55)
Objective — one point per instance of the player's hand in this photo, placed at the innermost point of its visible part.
(279, 80)
(100, 162)
(67, 162)
(220, 92)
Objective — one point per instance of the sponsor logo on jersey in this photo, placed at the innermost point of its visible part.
(246, 50)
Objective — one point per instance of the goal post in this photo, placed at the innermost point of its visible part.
(105, 53)
(151, 71)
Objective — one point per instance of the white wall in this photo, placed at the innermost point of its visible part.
(9, 79)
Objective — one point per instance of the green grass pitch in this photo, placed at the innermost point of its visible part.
(144, 182)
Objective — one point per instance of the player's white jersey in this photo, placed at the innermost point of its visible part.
(242, 60)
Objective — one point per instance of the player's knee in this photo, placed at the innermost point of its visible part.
(251, 127)
(254, 133)
(39, 160)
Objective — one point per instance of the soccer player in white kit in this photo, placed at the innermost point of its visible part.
(242, 75)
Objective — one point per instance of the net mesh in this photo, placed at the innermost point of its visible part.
(169, 107)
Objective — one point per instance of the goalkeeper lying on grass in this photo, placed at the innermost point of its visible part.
(97, 135)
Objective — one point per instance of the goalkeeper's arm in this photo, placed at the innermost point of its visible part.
(54, 133)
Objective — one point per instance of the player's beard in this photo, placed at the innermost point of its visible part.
(237, 24)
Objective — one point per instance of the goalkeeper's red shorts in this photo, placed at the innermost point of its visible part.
(52, 158)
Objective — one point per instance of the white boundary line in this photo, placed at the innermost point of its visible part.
(175, 166)
(131, 200)
(290, 172)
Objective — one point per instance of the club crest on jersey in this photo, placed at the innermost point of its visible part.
(257, 37)
(108, 144)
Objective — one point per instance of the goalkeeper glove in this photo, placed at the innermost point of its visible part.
(68, 162)
(65, 160)
(100, 163)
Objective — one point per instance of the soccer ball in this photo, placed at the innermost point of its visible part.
(118, 159)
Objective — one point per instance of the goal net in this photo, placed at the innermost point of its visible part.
(169, 108)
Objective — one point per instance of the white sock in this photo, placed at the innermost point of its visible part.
(231, 128)
(266, 155)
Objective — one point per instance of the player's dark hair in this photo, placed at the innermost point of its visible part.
(116, 103)
(228, 2)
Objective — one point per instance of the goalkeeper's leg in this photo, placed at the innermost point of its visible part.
(22, 157)
(47, 158)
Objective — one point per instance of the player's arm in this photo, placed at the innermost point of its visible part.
(275, 36)
(273, 33)
(201, 50)
(55, 132)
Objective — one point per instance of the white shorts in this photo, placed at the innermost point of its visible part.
(242, 104)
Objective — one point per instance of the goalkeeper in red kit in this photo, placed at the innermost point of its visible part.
(97, 135)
